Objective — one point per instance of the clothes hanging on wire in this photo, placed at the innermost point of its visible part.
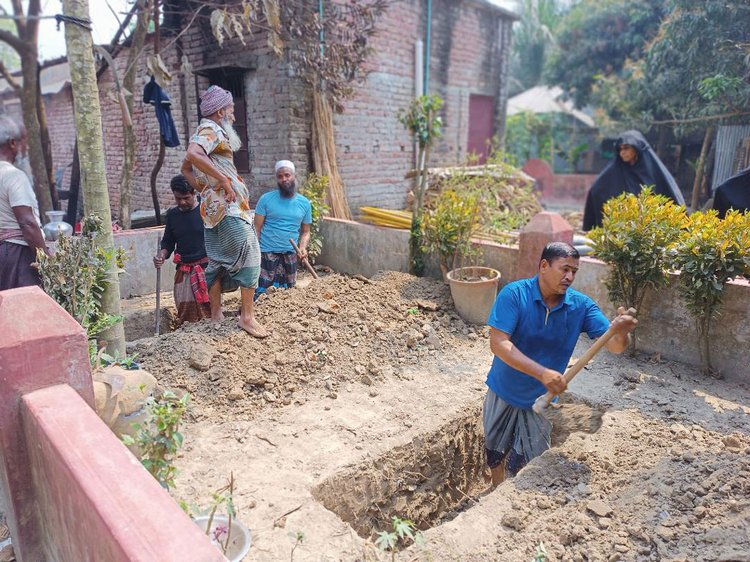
(156, 96)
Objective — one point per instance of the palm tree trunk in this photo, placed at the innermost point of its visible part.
(88, 121)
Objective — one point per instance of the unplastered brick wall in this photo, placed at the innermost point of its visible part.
(469, 52)
(277, 116)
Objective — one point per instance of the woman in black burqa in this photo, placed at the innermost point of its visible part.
(634, 166)
(733, 194)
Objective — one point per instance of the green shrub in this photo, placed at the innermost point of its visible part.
(635, 239)
(711, 252)
(449, 226)
(159, 437)
(314, 189)
(75, 276)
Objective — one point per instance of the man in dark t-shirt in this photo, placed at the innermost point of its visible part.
(183, 235)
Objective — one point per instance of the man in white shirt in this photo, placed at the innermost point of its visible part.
(20, 229)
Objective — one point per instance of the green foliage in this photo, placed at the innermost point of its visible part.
(314, 189)
(594, 41)
(698, 63)
(76, 277)
(159, 437)
(636, 238)
(8, 54)
(508, 199)
(403, 533)
(533, 37)
(711, 252)
(544, 136)
(541, 553)
(422, 119)
(127, 362)
(450, 226)
(298, 537)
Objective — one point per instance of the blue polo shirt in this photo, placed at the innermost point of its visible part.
(548, 336)
(283, 217)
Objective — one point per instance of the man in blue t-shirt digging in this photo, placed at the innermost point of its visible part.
(280, 215)
(534, 326)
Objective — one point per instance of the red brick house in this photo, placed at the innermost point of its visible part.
(468, 65)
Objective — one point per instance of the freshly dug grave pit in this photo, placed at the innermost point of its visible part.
(433, 478)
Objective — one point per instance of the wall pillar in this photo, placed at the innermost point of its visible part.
(544, 228)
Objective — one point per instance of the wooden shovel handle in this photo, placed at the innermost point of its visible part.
(543, 401)
(304, 261)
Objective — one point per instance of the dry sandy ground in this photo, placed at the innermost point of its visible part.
(366, 400)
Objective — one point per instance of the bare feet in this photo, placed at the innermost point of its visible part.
(253, 327)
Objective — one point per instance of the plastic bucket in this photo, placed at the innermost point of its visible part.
(240, 539)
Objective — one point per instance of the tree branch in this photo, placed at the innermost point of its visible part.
(17, 43)
(701, 119)
(5, 73)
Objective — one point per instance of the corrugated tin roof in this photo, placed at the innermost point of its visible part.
(728, 140)
(542, 99)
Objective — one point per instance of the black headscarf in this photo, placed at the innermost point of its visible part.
(619, 177)
(733, 194)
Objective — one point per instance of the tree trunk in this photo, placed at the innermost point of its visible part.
(31, 122)
(88, 121)
(128, 85)
(41, 111)
(704, 343)
(707, 140)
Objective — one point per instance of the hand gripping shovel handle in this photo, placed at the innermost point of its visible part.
(543, 401)
(304, 261)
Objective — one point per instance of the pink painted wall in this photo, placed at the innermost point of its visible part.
(72, 492)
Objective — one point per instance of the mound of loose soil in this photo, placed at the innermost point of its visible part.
(337, 329)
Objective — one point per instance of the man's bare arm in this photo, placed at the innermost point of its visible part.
(32, 234)
(623, 324)
(304, 240)
(506, 350)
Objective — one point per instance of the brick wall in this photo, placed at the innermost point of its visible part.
(469, 53)
(470, 46)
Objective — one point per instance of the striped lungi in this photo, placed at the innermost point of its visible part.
(517, 433)
(233, 254)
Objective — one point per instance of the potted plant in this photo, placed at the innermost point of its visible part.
(448, 231)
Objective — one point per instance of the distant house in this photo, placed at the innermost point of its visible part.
(468, 66)
(575, 136)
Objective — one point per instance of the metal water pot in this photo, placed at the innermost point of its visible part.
(56, 227)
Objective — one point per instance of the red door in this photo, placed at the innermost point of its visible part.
(481, 125)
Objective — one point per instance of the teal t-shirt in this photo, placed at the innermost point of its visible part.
(283, 218)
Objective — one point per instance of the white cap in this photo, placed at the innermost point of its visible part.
(284, 164)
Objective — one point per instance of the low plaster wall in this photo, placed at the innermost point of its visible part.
(140, 247)
(665, 326)
(71, 491)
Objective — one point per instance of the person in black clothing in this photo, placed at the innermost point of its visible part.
(635, 166)
(183, 235)
(733, 194)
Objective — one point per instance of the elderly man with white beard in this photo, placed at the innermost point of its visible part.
(20, 229)
(231, 243)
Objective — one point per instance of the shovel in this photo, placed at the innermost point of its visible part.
(158, 289)
(304, 261)
(570, 417)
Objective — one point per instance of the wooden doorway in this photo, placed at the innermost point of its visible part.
(481, 126)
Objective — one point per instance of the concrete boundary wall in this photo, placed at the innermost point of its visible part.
(71, 491)
(665, 325)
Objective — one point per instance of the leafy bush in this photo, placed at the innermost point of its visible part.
(314, 189)
(635, 239)
(159, 437)
(76, 276)
(449, 226)
(711, 252)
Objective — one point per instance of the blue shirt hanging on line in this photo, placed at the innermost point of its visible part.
(153, 94)
(548, 336)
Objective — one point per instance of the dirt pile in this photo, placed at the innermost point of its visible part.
(336, 330)
(678, 492)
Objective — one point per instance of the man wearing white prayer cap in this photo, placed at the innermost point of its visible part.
(282, 214)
